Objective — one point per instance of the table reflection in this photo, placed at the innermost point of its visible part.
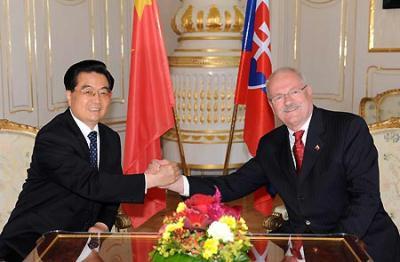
(56, 246)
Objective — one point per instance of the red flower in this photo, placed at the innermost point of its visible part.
(200, 202)
(196, 220)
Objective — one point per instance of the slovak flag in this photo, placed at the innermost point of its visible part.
(254, 71)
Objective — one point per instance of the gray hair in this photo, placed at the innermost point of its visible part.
(285, 69)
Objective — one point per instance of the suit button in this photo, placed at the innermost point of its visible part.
(308, 222)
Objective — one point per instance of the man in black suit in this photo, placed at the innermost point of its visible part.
(332, 186)
(75, 183)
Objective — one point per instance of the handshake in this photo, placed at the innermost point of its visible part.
(162, 173)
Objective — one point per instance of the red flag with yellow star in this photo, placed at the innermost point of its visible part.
(150, 105)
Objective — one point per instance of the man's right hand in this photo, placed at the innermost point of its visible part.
(162, 173)
(177, 186)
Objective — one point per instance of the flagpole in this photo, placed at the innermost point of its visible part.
(231, 132)
(181, 151)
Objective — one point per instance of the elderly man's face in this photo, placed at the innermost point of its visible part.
(290, 99)
(90, 100)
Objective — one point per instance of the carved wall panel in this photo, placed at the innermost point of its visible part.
(320, 48)
(380, 79)
(39, 40)
(17, 59)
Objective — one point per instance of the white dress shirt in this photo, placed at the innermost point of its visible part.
(85, 131)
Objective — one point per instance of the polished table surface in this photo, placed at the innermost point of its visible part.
(69, 246)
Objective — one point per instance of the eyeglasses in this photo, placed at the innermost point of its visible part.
(90, 92)
(292, 94)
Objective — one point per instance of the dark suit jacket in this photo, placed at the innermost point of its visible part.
(62, 192)
(337, 189)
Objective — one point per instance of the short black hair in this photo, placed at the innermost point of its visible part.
(87, 66)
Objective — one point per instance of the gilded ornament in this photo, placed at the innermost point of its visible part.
(239, 19)
(216, 20)
(213, 20)
(186, 20)
(228, 21)
(200, 21)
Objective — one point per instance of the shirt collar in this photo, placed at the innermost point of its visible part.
(83, 127)
(304, 127)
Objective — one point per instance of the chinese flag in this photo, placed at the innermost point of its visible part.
(150, 105)
(254, 70)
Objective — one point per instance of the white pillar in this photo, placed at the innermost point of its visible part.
(204, 71)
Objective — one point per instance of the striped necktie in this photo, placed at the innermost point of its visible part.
(298, 149)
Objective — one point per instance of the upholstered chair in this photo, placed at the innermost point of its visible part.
(16, 143)
(381, 107)
(386, 136)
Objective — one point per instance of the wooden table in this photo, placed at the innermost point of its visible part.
(135, 246)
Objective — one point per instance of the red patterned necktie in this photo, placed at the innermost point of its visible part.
(298, 149)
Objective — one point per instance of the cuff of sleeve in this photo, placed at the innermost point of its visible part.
(186, 189)
(145, 183)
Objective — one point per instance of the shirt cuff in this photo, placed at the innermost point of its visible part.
(186, 191)
(145, 184)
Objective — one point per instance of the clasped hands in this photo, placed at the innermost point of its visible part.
(161, 173)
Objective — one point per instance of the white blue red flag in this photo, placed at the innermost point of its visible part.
(254, 71)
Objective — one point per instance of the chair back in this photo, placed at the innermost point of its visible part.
(386, 136)
(16, 143)
(381, 107)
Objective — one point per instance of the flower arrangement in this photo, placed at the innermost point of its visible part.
(203, 229)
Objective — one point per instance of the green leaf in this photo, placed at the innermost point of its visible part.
(242, 258)
(156, 257)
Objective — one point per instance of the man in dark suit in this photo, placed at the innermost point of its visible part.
(323, 164)
(75, 180)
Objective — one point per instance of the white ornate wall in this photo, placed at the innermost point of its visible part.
(346, 48)
(40, 39)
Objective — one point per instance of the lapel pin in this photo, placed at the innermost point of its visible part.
(317, 147)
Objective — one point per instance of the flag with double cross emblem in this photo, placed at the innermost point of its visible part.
(251, 88)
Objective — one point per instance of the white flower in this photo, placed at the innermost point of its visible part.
(220, 231)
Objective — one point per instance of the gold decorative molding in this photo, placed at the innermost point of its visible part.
(70, 2)
(28, 35)
(216, 37)
(208, 50)
(342, 45)
(211, 19)
(116, 99)
(376, 69)
(51, 104)
(204, 61)
(13, 126)
(94, 31)
(213, 167)
(393, 122)
(319, 1)
(377, 101)
(204, 101)
(371, 33)
(204, 137)
(92, 27)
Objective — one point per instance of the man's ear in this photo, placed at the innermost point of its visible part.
(68, 94)
(271, 105)
(309, 90)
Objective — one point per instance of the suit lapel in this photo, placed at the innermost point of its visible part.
(103, 146)
(314, 144)
(82, 144)
(286, 156)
